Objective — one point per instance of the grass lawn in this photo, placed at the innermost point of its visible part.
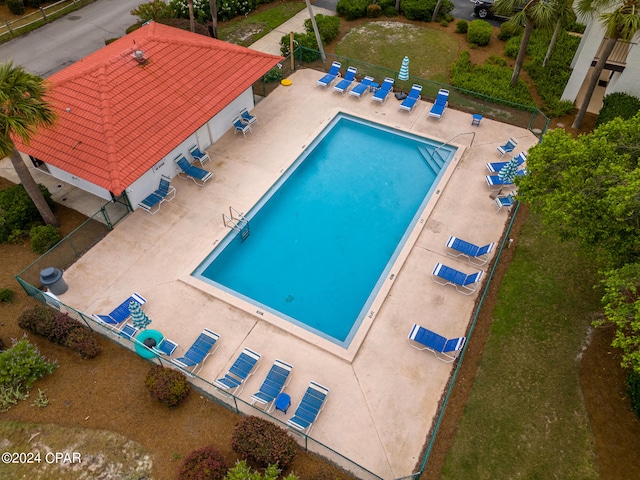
(525, 417)
(386, 43)
(247, 30)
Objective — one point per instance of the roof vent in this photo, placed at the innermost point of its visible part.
(139, 56)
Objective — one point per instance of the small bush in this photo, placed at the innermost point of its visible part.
(352, 9)
(512, 47)
(479, 32)
(423, 9)
(22, 365)
(273, 75)
(444, 23)
(204, 463)
(6, 295)
(617, 105)
(39, 320)
(462, 26)
(17, 211)
(16, 6)
(43, 238)
(328, 27)
(390, 12)
(170, 387)
(374, 11)
(242, 471)
(81, 340)
(263, 442)
(307, 40)
(633, 389)
(155, 10)
(508, 30)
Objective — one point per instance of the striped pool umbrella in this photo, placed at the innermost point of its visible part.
(508, 172)
(404, 71)
(139, 318)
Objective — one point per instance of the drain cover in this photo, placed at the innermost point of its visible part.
(289, 299)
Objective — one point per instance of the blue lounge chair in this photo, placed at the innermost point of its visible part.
(328, 78)
(309, 408)
(128, 331)
(494, 181)
(199, 175)
(382, 93)
(274, 383)
(440, 104)
(242, 368)
(198, 155)
(505, 201)
(508, 147)
(166, 347)
(193, 360)
(121, 313)
(164, 192)
(446, 350)
(344, 84)
(240, 126)
(464, 283)
(495, 167)
(361, 89)
(412, 99)
(476, 255)
(247, 118)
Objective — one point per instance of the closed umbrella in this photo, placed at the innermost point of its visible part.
(139, 318)
(404, 71)
(509, 171)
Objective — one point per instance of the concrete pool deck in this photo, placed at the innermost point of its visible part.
(384, 396)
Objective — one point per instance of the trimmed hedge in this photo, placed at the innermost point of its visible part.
(352, 9)
(617, 105)
(423, 9)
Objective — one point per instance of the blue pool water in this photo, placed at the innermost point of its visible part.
(324, 237)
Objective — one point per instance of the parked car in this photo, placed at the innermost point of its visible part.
(484, 9)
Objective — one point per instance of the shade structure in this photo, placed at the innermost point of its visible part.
(509, 171)
(138, 317)
(404, 70)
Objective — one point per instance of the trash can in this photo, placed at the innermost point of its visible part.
(52, 279)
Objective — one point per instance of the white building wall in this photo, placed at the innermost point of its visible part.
(629, 80)
(78, 182)
(581, 64)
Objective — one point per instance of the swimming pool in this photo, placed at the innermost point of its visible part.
(325, 235)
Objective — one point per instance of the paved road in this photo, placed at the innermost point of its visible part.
(54, 46)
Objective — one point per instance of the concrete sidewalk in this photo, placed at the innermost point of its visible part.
(270, 43)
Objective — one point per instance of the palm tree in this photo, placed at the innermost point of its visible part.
(192, 20)
(534, 13)
(22, 110)
(213, 8)
(621, 20)
(564, 12)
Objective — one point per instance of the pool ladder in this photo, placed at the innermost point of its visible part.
(236, 221)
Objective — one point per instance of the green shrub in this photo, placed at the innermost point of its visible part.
(242, 471)
(17, 212)
(81, 340)
(489, 79)
(633, 389)
(374, 11)
(444, 23)
(154, 10)
(263, 442)
(6, 295)
(328, 27)
(16, 6)
(512, 47)
(22, 365)
(39, 320)
(508, 30)
(575, 26)
(307, 40)
(479, 32)
(551, 80)
(617, 105)
(390, 12)
(462, 26)
(43, 238)
(170, 387)
(423, 9)
(204, 463)
(228, 9)
(352, 9)
(273, 75)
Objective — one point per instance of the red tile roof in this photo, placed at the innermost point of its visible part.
(117, 118)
